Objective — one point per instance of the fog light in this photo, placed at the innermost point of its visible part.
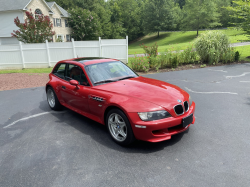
(140, 126)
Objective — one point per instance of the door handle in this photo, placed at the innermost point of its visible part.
(63, 87)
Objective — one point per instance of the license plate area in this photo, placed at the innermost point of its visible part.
(187, 120)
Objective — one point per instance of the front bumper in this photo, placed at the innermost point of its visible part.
(159, 130)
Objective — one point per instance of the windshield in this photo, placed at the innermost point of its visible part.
(106, 72)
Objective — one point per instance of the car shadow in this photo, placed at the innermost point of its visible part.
(99, 133)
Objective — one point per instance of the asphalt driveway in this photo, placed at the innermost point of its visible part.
(39, 147)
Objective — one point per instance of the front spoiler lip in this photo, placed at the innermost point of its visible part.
(167, 136)
(146, 134)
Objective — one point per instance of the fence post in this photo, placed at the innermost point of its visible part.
(100, 47)
(127, 47)
(21, 51)
(74, 49)
(48, 54)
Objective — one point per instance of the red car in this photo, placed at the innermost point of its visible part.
(131, 106)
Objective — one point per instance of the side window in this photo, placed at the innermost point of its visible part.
(75, 72)
(58, 22)
(66, 23)
(60, 70)
(59, 38)
(38, 13)
(68, 38)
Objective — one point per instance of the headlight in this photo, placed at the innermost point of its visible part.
(150, 116)
(190, 101)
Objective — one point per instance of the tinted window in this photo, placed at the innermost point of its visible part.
(75, 72)
(60, 70)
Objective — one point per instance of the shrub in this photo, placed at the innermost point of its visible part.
(181, 57)
(174, 61)
(140, 64)
(166, 58)
(212, 46)
(151, 51)
(237, 56)
(189, 55)
(155, 63)
(229, 55)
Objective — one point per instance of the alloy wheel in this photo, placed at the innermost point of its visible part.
(117, 127)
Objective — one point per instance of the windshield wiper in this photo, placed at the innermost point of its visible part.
(128, 77)
(105, 81)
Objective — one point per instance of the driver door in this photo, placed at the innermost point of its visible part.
(76, 98)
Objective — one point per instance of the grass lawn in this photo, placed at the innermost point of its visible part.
(244, 52)
(178, 40)
(35, 70)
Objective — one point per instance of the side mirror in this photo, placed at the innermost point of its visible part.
(74, 83)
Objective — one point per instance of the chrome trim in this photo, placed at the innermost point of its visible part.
(188, 105)
(182, 108)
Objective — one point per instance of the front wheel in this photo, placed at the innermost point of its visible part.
(119, 127)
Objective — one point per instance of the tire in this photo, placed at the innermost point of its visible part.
(119, 127)
(52, 99)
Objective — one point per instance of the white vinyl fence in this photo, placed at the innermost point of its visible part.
(48, 54)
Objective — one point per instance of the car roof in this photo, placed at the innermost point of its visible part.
(90, 60)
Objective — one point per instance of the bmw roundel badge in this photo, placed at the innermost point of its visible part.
(179, 100)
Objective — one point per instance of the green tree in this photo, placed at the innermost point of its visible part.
(34, 30)
(224, 13)
(159, 15)
(117, 30)
(241, 11)
(198, 14)
(131, 17)
(104, 14)
(91, 4)
(85, 24)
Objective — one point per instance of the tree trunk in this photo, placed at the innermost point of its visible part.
(158, 34)
(198, 26)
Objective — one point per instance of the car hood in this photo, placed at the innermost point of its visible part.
(151, 90)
